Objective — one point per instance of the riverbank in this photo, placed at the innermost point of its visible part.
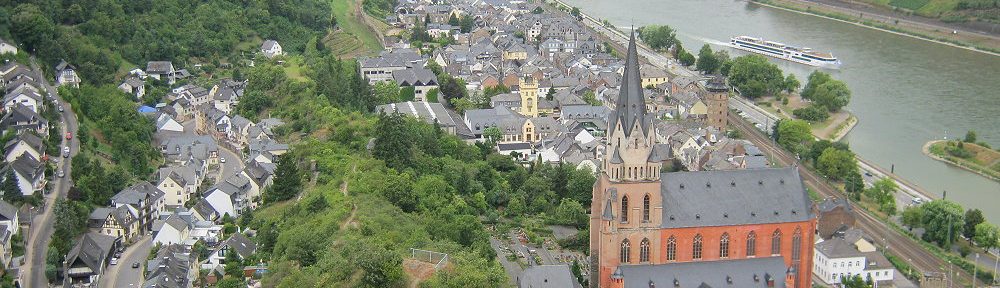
(966, 40)
(937, 150)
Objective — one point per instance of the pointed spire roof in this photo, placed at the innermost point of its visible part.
(631, 105)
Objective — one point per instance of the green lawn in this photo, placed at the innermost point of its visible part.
(909, 4)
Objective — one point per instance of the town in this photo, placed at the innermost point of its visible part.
(491, 143)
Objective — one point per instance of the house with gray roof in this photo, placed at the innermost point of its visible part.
(66, 74)
(380, 68)
(161, 70)
(133, 86)
(9, 217)
(427, 111)
(120, 222)
(236, 244)
(230, 196)
(839, 258)
(544, 276)
(24, 143)
(175, 266)
(23, 96)
(87, 261)
(421, 80)
(144, 198)
(7, 47)
(30, 173)
(271, 48)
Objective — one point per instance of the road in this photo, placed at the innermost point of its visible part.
(133, 277)
(885, 236)
(40, 228)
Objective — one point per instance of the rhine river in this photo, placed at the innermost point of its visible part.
(906, 91)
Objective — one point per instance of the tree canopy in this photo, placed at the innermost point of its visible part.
(658, 37)
(754, 76)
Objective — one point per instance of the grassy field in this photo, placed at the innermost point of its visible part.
(929, 8)
(356, 35)
(981, 160)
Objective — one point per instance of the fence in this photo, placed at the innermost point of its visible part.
(436, 258)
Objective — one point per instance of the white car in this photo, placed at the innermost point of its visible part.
(222, 159)
(62, 174)
(114, 261)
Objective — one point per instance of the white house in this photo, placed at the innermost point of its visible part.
(166, 123)
(173, 230)
(161, 70)
(24, 143)
(271, 48)
(134, 86)
(7, 47)
(229, 197)
(24, 96)
(8, 217)
(30, 174)
(838, 258)
(66, 74)
(237, 243)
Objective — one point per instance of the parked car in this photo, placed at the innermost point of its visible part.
(69, 135)
(61, 108)
(222, 159)
(918, 200)
(135, 264)
(114, 261)
(62, 174)
(66, 152)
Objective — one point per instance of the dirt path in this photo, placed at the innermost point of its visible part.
(354, 207)
(828, 131)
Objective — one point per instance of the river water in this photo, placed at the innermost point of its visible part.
(906, 91)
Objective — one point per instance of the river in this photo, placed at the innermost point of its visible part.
(906, 91)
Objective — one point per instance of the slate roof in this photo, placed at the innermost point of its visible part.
(28, 138)
(427, 111)
(838, 248)
(28, 166)
(241, 244)
(268, 44)
(751, 272)
(7, 211)
(137, 193)
(204, 209)
(159, 67)
(734, 197)
(546, 276)
(513, 146)
(414, 77)
(171, 267)
(91, 250)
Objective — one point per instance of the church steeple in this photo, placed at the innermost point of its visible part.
(631, 105)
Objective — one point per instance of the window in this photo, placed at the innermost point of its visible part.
(624, 208)
(724, 246)
(645, 208)
(751, 244)
(624, 253)
(797, 246)
(696, 247)
(644, 250)
(776, 242)
(671, 249)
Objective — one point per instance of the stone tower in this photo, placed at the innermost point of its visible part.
(529, 96)
(717, 100)
(626, 194)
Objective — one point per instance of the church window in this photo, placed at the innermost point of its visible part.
(797, 245)
(696, 247)
(751, 244)
(624, 253)
(624, 209)
(671, 249)
(776, 242)
(644, 250)
(724, 246)
(645, 208)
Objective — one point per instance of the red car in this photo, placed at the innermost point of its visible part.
(69, 135)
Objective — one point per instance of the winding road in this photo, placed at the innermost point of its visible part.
(40, 227)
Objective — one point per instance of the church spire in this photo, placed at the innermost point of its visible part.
(631, 106)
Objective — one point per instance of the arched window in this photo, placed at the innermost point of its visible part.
(624, 208)
(645, 208)
(776, 242)
(644, 250)
(696, 247)
(671, 249)
(797, 245)
(724, 246)
(624, 252)
(751, 244)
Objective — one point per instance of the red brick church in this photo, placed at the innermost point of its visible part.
(739, 228)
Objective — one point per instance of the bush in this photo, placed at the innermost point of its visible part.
(811, 113)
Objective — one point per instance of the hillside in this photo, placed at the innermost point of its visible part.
(947, 10)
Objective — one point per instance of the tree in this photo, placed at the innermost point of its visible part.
(855, 282)
(913, 216)
(492, 135)
(658, 37)
(452, 87)
(570, 212)
(591, 98)
(972, 218)
(754, 76)
(815, 79)
(537, 10)
(230, 282)
(686, 58)
(234, 267)
(833, 95)
(576, 13)
(943, 221)
(987, 235)
(970, 137)
(854, 183)
(812, 113)
(550, 94)
(794, 135)
(393, 143)
(287, 180)
(11, 191)
(31, 27)
(385, 92)
(836, 164)
(882, 191)
(707, 62)
(791, 83)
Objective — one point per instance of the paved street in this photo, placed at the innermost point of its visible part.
(234, 162)
(123, 275)
(40, 230)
